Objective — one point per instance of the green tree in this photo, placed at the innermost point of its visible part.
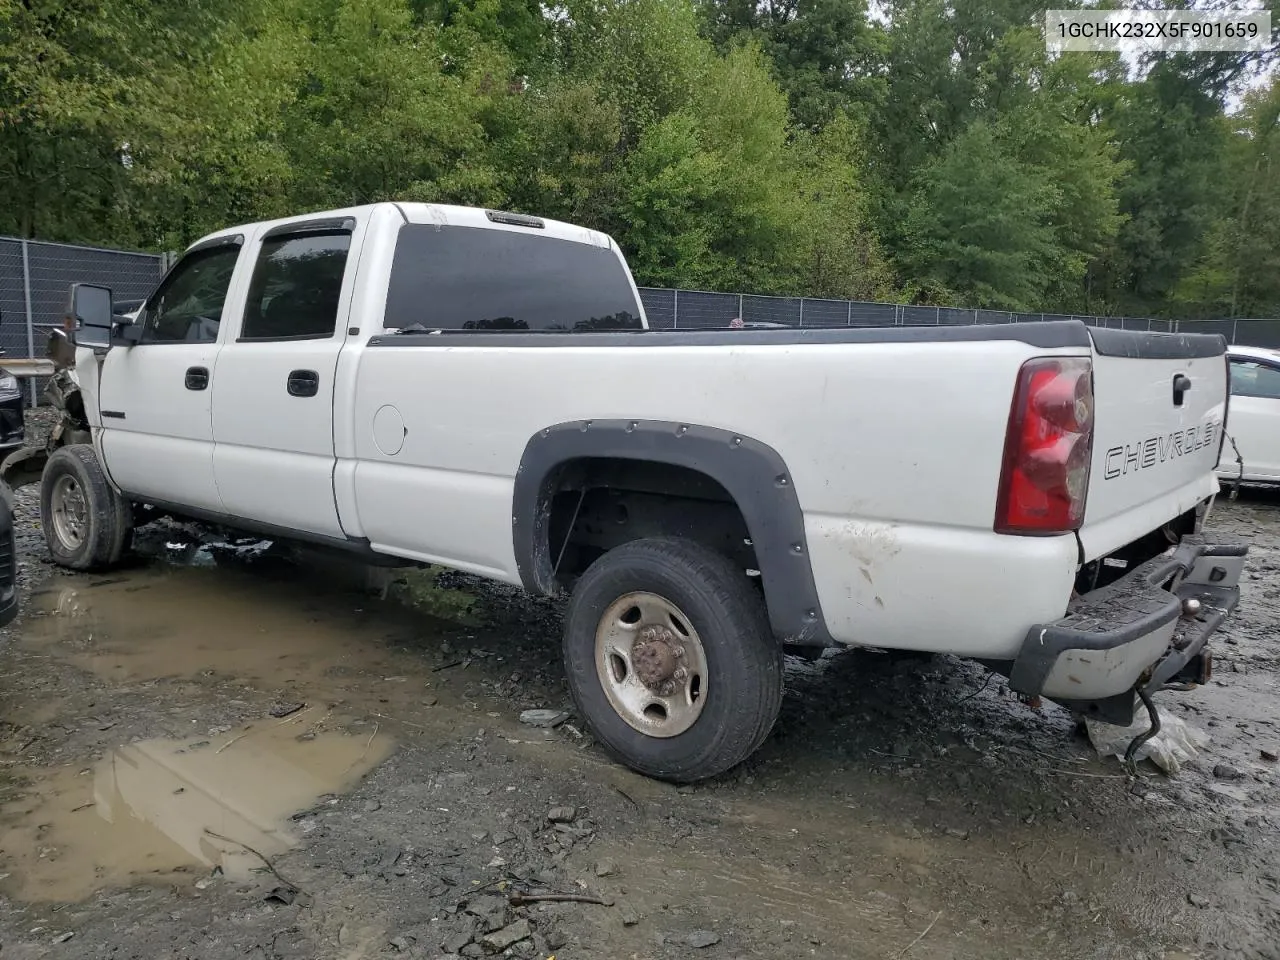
(719, 194)
(826, 54)
(1172, 135)
(788, 146)
(948, 65)
(952, 68)
(518, 27)
(710, 180)
(979, 228)
(645, 56)
(381, 115)
(1054, 128)
(85, 87)
(834, 249)
(209, 146)
(557, 146)
(1238, 274)
(688, 157)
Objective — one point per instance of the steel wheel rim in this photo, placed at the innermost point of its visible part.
(651, 664)
(70, 511)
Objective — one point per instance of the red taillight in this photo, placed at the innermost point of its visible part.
(1047, 448)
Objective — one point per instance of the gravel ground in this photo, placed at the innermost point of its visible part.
(903, 807)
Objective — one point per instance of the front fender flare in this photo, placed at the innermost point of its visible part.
(752, 472)
(24, 466)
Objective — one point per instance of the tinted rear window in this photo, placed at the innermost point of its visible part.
(470, 278)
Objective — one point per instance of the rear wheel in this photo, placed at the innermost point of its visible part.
(671, 660)
(87, 524)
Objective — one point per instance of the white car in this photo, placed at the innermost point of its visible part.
(1252, 451)
(424, 384)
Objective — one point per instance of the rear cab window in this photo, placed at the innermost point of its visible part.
(460, 278)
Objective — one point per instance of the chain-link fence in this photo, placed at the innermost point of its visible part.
(1246, 333)
(698, 309)
(35, 278)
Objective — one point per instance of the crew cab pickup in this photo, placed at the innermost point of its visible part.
(425, 384)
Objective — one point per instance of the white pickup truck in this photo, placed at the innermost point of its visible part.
(427, 384)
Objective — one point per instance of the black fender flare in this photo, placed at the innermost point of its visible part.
(752, 472)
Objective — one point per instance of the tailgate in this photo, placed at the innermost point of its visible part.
(1154, 446)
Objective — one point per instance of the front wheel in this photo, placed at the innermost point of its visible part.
(670, 659)
(87, 524)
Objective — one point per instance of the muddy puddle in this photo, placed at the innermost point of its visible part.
(301, 634)
(175, 807)
(901, 808)
(153, 809)
(165, 623)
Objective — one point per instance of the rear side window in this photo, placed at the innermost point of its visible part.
(470, 278)
(295, 288)
(1252, 379)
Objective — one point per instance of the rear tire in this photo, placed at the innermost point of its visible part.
(671, 660)
(87, 524)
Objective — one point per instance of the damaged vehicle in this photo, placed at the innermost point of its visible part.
(8, 559)
(422, 384)
(1252, 453)
(12, 419)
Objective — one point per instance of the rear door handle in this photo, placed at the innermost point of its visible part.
(303, 383)
(197, 378)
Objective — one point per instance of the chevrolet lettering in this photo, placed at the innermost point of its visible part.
(1155, 450)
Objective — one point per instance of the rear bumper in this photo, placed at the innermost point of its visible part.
(1133, 633)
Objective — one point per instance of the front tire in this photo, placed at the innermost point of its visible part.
(670, 659)
(87, 524)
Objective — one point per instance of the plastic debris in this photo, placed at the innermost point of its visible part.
(544, 718)
(282, 895)
(1175, 744)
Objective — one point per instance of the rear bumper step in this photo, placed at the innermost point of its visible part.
(1136, 633)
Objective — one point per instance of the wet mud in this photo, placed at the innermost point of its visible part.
(151, 810)
(184, 738)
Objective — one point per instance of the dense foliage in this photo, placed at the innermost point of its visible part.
(932, 152)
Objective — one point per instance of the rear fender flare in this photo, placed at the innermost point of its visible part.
(752, 472)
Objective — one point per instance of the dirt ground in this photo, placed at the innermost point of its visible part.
(169, 730)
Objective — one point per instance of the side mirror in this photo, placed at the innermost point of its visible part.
(91, 316)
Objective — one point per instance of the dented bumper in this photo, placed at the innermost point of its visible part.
(1137, 633)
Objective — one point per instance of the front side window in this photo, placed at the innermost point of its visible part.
(295, 288)
(473, 278)
(1250, 378)
(187, 307)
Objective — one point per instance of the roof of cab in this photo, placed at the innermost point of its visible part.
(1260, 353)
(448, 215)
(439, 213)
